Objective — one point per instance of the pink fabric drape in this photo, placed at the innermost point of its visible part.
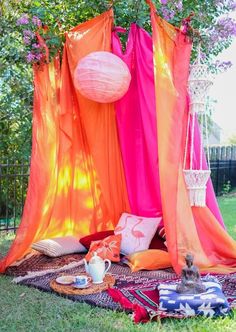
(136, 119)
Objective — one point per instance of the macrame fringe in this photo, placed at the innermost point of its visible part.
(197, 196)
(196, 181)
(31, 275)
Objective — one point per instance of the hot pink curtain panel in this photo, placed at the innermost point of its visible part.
(136, 120)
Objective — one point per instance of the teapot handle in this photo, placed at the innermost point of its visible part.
(109, 265)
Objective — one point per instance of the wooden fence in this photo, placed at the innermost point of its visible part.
(223, 152)
(223, 168)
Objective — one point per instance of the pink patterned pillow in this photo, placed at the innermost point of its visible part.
(137, 232)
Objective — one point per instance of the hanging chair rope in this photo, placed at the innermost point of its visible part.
(196, 177)
(201, 140)
(192, 141)
(186, 142)
(207, 141)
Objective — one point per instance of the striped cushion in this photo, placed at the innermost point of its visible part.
(59, 246)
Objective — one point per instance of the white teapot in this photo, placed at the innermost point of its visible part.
(96, 268)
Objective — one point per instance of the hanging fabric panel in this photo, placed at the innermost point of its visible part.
(42, 185)
(193, 230)
(77, 184)
(98, 123)
(136, 119)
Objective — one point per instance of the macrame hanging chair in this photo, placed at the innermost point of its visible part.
(196, 177)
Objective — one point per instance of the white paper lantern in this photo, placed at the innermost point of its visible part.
(102, 77)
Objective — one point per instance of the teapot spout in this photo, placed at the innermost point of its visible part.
(86, 265)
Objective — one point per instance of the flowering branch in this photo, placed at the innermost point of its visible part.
(36, 51)
(208, 24)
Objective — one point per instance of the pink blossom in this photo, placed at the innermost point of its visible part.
(184, 27)
(23, 20)
(164, 2)
(224, 29)
(221, 66)
(230, 4)
(167, 13)
(36, 21)
(30, 57)
(179, 5)
(35, 45)
(26, 40)
(233, 6)
(28, 33)
(38, 56)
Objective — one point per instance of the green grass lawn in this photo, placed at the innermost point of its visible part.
(25, 309)
(228, 210)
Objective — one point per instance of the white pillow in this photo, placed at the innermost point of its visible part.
(137, 232)
(59, 246)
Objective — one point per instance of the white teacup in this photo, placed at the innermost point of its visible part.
(81, 281)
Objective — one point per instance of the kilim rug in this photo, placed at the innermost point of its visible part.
(39, 262)
(133, 292)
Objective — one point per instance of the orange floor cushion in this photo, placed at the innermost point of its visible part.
(151, 259)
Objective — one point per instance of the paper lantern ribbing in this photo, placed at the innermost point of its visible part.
(102, 77)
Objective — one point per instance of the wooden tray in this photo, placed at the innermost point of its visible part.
(108, 282)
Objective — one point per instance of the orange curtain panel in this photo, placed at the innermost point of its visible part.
(42, 187)
(193, 230)
(98, 123)
(77, 184)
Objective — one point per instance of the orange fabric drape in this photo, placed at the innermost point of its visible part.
(193, 230)
(77, 184)
(42, 185)
(98, 120)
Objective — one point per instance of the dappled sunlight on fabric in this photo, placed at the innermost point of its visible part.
(82, 227)
(54, 231)
(76, 35)
(89, 203)
(163, 65)
(64, 180)
(46, 207)
(54, 83)
(81, 180)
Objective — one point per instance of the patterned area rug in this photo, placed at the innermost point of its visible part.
(39, 262)
(133, 292)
